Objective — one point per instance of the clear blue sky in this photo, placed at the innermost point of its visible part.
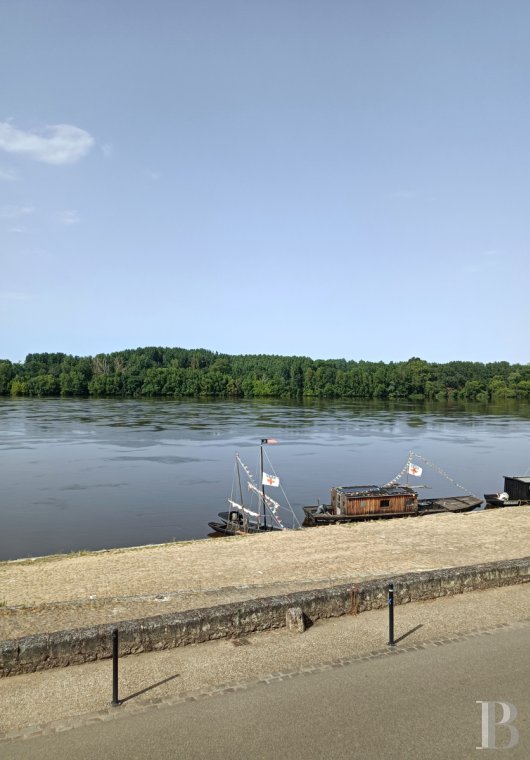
(328, 178)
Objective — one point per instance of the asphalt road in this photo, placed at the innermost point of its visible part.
(418, 704)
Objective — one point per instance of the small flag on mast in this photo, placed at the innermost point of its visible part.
(414, 470)
(270, 480)
(269, 440)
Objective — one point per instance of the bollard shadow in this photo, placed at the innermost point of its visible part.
(149, 688)
(408, 633)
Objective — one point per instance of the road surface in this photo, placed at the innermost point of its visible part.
(419, 704)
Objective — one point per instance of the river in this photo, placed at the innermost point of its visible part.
(84, 474)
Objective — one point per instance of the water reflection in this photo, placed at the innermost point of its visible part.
(86, 474)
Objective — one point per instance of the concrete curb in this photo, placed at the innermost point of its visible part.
(62, 648)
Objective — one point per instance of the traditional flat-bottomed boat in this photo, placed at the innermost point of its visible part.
(516, 493)
(243, 517)
(357, 503)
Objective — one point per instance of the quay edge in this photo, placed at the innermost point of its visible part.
(62, 648)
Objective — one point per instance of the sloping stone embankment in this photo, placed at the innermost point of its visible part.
(63, 648)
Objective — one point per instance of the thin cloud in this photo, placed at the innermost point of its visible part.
(154, 176)
(107, 150)
(14, 212)
(68, 217)
(57, 144)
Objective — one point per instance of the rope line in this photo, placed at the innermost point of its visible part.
(434, 467)
(296, 521)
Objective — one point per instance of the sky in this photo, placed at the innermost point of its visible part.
(324, 178)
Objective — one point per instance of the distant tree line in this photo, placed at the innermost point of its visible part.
(179, 372)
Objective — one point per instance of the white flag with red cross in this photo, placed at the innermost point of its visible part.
(414, 470)
(270, 480)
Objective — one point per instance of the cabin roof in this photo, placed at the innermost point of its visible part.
(374, 490)
(520, 478)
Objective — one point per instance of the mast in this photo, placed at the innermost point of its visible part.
(263, 440)
(245, 518)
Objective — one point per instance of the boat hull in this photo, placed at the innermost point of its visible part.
(325, 515)
(315, 516)
(494, 502)
(229, 527)
(225, 529)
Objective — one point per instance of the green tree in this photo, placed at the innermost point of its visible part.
(7, 374)
(73, 383)
(42, 385)
(19, 387)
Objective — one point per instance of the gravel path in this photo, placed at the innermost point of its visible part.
(54, 593)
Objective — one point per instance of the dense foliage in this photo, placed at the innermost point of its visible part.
(179, 372)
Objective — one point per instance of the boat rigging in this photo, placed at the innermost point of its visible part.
(268, 514)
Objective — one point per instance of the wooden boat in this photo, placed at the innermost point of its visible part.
(233, 524)
(382, 503)
(496, 501)
(351, 503)
(516, 493)
(241, 519)
(356, 503)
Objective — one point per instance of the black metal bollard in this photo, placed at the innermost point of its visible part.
(115, 700)
(391, 642)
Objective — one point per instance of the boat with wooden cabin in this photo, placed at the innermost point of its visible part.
(363, 502)
(357, 503)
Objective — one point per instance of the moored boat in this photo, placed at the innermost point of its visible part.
(241, 518)
(357, 503)
(516, 493)
(350, 503)
(232, 524)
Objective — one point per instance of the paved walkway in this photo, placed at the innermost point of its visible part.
(420, 703)
(54, 701)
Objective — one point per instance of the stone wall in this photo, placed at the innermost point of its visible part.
(62, 648)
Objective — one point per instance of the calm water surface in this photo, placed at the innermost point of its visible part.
(90, 474)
